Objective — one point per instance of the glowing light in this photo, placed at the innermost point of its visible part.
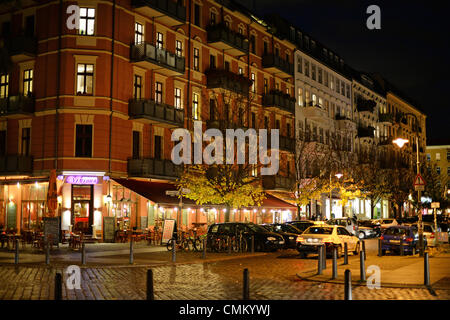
(18, 185)
(339, 175)
(36, 184)
(59, 199)
(400, 142)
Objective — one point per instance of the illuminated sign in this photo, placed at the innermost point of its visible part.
(81, 180)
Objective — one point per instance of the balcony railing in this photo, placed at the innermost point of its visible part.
(366, 132)
(151, 57)
(279, 100)
(278, 182)
(16, 165)
(224, 79)
(276, 64)
(154, 112)
(225, 124)
(152, 167)
(221, 37)
(167, 11)
(386, 117)
(16, 105)
(364, 105)
(21, 47)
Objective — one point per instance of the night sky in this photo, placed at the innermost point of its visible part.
(411, 50)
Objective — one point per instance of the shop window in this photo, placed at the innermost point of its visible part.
(34, 205)
(124, 207)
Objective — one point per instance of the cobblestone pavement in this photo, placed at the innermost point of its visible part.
(270, 278)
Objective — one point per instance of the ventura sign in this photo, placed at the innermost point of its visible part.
(81, 180)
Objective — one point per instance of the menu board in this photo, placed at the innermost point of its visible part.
(52, 227)
(144, 223)
(168, 228)
(109, 224)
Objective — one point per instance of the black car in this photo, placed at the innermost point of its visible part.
(264, 239)
(286, 227)
(301, 225)
(289, 237)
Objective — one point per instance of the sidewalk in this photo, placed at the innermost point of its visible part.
(396, 271)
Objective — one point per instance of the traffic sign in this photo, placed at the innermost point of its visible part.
(435, 205)
(419, 181)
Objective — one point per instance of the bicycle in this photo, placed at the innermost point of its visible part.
(181, 244)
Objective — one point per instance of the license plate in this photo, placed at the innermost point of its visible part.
(394, 241)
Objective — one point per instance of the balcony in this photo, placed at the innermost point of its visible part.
(279, 101)
(16, 106)
(153, 168)
(147, 56)
(227, 80)
(277, 182)
(364, 105)
(366, 132)
(167, 12)
(386, 118)
(222, 38)
(16, 165)
(224, 124)
(315, 112)
(344, 123)
(148, 111)
(21, 48)
(277, 65)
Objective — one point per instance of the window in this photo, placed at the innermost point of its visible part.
(277, 124)
(331, 82)
(2, 142)
(197, 11)
(195, 107)
(299, 64)
(137, 86)
(29, 26)
(25, 142)
(448, 171)
(300, 97)
(212, 20)
(240, 30)
(306, 68)
(196, 59)
(252, 44)
(325, 78)
(254, 170)
(277, 86)
(448, 155)
(313, 72)
(28, 82)
(438, 156)
(266, 122)
(438, 170)
(253, 77)
(347, 90)
(85, 78)
(266, 86)
(227, 65)
(314, 99)
(212, 109)
(178, 48)
(4, 85)
(266, 48)
(159, 40)
(343, 88)
(83, 147)
(288, 129)
(136, 144)
(178, 103)
(240, 71)
(320, 75)
(337, 85)
(138, 33)
(428, 157)
(158, 147)
(212, 61)
(87, 21)
(158, 92)
(253, 118)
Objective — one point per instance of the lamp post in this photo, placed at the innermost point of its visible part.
(400, 142)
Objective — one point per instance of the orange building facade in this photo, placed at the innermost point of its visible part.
(98, 102)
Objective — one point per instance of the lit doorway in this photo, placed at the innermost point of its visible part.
(82, 208)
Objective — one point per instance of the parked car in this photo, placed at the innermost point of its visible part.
(289, 237)
(286, 227)
(390, 240)
(327, 235)
(301, 225)
(429, 232)
(264, 239)
(386, 223)
(368, 229)
(348, 223)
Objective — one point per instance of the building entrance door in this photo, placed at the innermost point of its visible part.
(82, 208)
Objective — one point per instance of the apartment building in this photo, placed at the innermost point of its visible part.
(438, 158)
(98, 104)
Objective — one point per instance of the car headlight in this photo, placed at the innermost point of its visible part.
(271, 238)
(291, 238)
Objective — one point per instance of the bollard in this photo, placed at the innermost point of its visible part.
(362, 268)
(380, 250)
(150, 291)
(253, 244)
(319, 259)
(246, 289)
(131, 252)
(348, 285)
(16, 255)
(174, 249)
(401, 248)
(364, 248)
(324, 257)
(83, 253)
(204, 249)
(345, 254)
(58, 286)
(229, 244)
(47, 253)
(334, 275)
(426, 269)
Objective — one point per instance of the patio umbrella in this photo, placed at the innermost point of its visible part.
(52, 194)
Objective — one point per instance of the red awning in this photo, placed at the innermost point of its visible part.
(272, 202)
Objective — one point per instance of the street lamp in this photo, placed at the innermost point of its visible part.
(337, 175)
(400, 142)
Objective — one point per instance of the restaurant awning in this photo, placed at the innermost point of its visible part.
(156, 192)
(284, 196)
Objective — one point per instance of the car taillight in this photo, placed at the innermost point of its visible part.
(409, 239)
(381, 238)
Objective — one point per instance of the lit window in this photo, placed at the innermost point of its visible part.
(158, 92)
(178, 48)
(300, 97)
(438, 156)
(195, 107)
(85, 78)
(28, 82)
(196, 59)
(137, 86)
(87, 21)
(159, 40)
(253, 82)
(178, 103)
(138, 33)
(4, 85)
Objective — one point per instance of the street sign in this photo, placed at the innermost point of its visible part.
(419, 181)
(435, 205)
(419, 188)
(172, 193)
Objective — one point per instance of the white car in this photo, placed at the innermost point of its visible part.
(330, 237)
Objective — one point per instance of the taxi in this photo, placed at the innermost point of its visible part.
(322, 234)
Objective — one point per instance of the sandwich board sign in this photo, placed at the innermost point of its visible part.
(419, 183)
